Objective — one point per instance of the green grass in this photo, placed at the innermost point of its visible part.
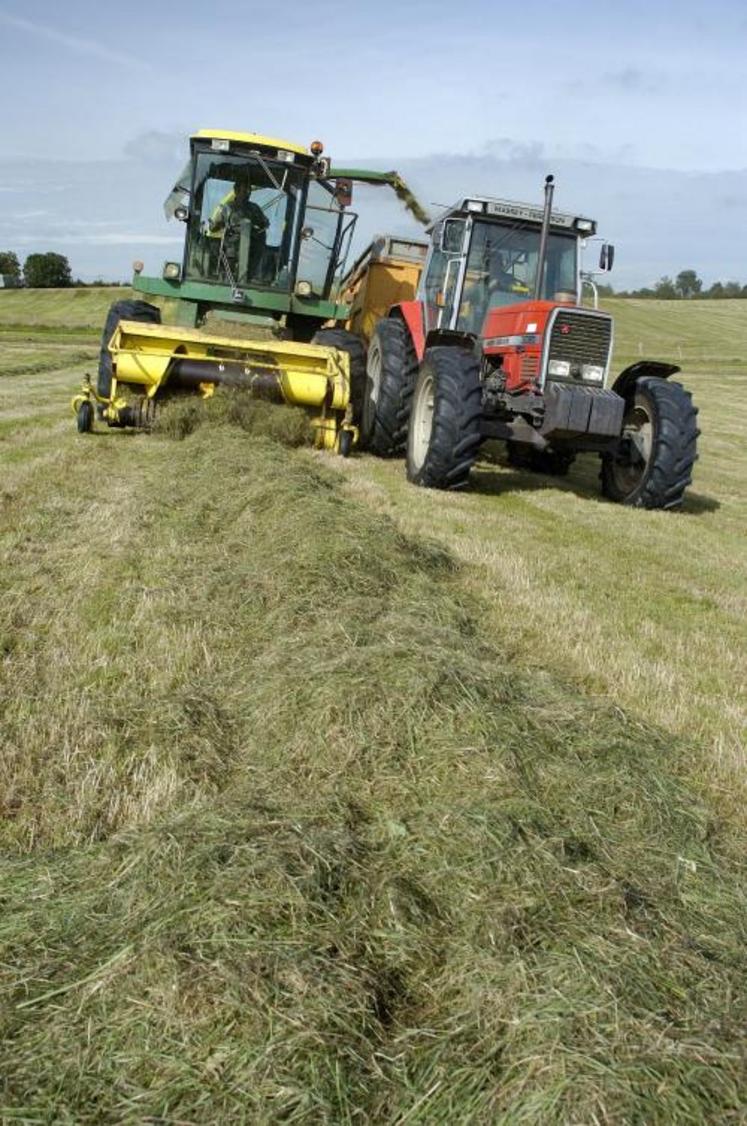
(325, 799)
(84, 308)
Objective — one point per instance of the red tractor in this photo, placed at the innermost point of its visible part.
(496, 345)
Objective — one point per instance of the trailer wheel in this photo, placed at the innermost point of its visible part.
(348, 342)
(391, 372)
(84, 417)
(444, 434)
(552, 462)
(652, 465)
(121, 311)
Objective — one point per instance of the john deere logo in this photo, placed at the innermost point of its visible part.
(565, 329)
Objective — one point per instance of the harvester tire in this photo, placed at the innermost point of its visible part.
(121, 311)
(552, 462)
(444, 435)
(84, 417)
(653, 465)
(391, 372)
(348, 342)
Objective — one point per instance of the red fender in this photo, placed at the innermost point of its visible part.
(411, 313)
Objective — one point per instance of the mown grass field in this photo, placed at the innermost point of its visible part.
(323, 799)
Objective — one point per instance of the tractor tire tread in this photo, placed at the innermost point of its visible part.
(676, 437)
(348, 342)
(128, 310)
(399, 368)
(456, 435)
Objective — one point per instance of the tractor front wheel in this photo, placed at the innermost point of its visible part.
(391, 371)
(652, 464)
(444, 434)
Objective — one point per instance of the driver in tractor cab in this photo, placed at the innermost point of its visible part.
(228, 218)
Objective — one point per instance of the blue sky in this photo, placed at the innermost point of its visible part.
(575, 87)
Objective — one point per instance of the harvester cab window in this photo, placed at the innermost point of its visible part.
(242, 221)
(320, 239)
(501, 268)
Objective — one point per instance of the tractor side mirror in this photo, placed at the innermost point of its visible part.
(452, 236)
(606, 257)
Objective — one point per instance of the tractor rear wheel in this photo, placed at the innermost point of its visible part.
(348, 342)
(121, 311)
(391, 371)
(652, 466)
(444, 434)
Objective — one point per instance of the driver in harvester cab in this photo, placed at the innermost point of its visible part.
(237, 214)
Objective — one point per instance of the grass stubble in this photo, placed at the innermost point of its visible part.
(290, 834)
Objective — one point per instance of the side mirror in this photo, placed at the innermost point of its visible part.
(452, 236)
(344, 192)
(181, 213)
(606, 257)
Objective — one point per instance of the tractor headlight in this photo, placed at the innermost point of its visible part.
(592, 372)
(172, 271)
(303, 289)
(559, 367)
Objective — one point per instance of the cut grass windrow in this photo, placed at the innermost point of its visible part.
(289, 836)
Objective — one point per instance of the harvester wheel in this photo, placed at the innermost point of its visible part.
(652, 466)
(554, 463)
(121, 311)
(391, 372)
(84, 417)
(444, 434)
(356, 350)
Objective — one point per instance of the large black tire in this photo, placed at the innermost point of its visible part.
(552, 462)
(444, 435)
(391, 372)
(121, 311)
(356, 350)
(653, 466)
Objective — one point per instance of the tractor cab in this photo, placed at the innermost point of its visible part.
(484, 256)
(265, 225)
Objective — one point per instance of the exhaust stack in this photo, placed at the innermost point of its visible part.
(549, 189)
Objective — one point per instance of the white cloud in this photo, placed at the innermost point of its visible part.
(74, 42)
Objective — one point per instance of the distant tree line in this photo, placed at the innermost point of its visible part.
(684, 287)
(44, 271)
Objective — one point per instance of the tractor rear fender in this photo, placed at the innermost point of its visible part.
(411, 312)
(626, 380)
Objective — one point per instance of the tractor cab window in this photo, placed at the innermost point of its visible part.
(440, 280)
(501, 268)
(321, 234)
(243, 219)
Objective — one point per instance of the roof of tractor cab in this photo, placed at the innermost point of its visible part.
(511, 209)
(249, 139)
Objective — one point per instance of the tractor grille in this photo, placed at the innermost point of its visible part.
(529, 366)
(580, 338)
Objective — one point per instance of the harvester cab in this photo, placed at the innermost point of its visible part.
(496, 345)
(268, 228)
